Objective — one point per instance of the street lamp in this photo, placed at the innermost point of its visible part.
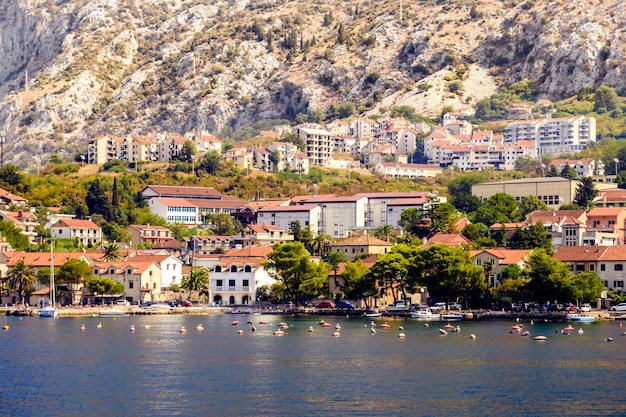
(616, 162)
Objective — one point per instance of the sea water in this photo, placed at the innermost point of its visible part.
(53, 368)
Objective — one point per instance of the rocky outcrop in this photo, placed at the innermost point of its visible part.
(122, 66)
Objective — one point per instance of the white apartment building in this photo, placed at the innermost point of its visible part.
(308, 215)
(318, 143)
(339, 215)
(554, 136)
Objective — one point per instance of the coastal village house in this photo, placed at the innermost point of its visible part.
(154, 235)
(360, 246)
(141, 280)
(238, 275)
(23, 220)
(495, 259)
(609, 262)
(85, 231)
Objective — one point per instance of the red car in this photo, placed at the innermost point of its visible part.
(185, 303)
(326, 304)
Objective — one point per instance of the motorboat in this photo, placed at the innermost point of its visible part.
(398, 307)
(372, 314)
(111, 312)
(584, 318)
(452, 316)
(424, 314)
(50, 311)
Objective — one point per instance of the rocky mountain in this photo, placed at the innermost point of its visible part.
(74, 69)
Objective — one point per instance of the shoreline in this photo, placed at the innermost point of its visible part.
(204, 310)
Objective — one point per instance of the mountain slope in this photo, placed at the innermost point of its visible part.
(122, 66)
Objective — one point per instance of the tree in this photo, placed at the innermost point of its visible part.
(104, 286)
(96, 199)
(385, 232)
(334, 259)
(499, 208)
(21, 277)
(390, 271)
(13, 235)
(585, 193)
(548, 278)
(447, 272)
(605, 99)
(74, 272)
(11, 176)
(474, 231)
(587, 287)
(568, 172)
(111, 253)
(291, 265)
(320, 244)
(188, 151)
(532, 236)
(460, 190)
(410, 220)
(552, 171)
(211, 162)
(221, 224)
(357, 283)
(531, 203)
(511, 284)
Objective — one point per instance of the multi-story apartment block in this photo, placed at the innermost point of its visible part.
(521, 130)
(261, 235)
(105, 148)
(144, 148)
(318, 143)
(397, 170)
(605, 226)
(566, 227)
(339, 215)
(554, 136)
(362, 127)
(308, 215)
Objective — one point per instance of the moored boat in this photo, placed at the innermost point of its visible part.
(452, 316)
(584, 318)
(424, 314)
(372, 314)
(112, 312)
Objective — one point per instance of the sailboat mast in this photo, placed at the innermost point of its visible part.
(52, 300)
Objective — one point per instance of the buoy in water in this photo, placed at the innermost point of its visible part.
(400, 328)
(336, 334)
(279, 333)
(234, 323)
(337, 327)
(472, 336)
(373, 330)
(443, 332)
(426, 325)
(132, 328)
(239, 331)
(82, 327)
(147, 326)
(310, 329)
(581, 331)
(99, 325)
(199, 327)
(183, 330)
(401, 335)
(253, 329)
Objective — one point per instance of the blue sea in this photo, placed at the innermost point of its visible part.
(53, 368)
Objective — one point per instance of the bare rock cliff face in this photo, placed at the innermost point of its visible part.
(127, 67)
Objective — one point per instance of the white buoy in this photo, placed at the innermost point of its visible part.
(239, 331)
(581, 331)
(183, 330)
(401, 335)
(336, 334)
(373, 330)
(199, 327)
(472, 336)
(132, 328)
(99, 326)
(82, 327)
(310, 329)
(426, 325)
(400, 328)
(147, 326)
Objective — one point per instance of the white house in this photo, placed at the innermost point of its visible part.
(86, 231)
(308, 215)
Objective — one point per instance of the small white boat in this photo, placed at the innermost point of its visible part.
(372, 314)
(452, 317)
(584, 318)
(112, 312)
(48, 312)
(424, 314)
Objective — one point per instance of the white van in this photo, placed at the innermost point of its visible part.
(122, 303)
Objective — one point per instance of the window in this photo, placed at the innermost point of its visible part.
(602, 267)
(219, 283)
(130, 284)
(611, 222)
(592, 267)
(619, 267)
(248, 268)
(233, 268)
(231, 282)
(479, 262)
(618, 284)
(580, 267)
(218, 268)
(246, 282)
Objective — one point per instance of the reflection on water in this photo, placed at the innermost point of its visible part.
(51, 367)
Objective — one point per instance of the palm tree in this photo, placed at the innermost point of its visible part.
(320, 244)
(196, 280)
(112, 253)
(334, 259)
(385, 231)
(20, 277)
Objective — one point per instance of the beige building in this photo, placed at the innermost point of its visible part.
(357, 246)
(149, 234)
(553, 191)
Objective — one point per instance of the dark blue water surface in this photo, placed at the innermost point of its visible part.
(52, 368)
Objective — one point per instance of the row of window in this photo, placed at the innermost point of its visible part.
(231, 283)
(233, 268)
(592, 267)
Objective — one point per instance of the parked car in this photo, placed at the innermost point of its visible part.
(442, 306)
(619, 307)
(122, 302)
(585, 308)
(185, 303)
(326, 304)
(344, 304)
(145, 304)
